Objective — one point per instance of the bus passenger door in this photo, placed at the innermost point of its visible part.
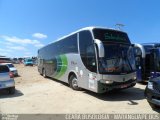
(91, 67)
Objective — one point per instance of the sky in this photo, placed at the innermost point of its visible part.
(28, 25)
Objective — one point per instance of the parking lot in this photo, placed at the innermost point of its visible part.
(35, 94)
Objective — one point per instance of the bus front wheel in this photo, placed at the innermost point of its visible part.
(73, 83)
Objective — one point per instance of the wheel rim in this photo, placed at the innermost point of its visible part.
(74, 83)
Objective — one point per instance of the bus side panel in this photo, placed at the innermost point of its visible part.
(86, 79)
(72, 63)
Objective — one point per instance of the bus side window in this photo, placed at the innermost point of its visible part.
(91, 60)
(87, 50)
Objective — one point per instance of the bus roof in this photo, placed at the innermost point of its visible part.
(151, 44)
(144, 47)
(86, 28)
(4, 57)
(82, 29)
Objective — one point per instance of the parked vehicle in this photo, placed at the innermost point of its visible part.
(4, 59)
(147, 60)
(28, 62)
(7, 79)
(94, 58)
(15, 61)
(152, 91)
(11, 68)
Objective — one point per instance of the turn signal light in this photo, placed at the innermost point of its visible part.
(11, 75)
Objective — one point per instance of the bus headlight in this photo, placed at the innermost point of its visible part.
(150, 85)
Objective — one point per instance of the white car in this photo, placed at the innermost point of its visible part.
(7, 79)
(11, 68)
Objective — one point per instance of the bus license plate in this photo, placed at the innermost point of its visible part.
(124, 86)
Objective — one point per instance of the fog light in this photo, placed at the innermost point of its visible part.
(109, 81)
(134, 78)
(150, 85)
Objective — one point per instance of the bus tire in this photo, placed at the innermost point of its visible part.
(44, 73)
(73, 82)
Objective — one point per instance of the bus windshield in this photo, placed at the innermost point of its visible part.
(119, 59)
(148, 48)
(119, 54)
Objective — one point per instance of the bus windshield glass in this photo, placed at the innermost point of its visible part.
(119, 59)
(119, 54)
(148, 48)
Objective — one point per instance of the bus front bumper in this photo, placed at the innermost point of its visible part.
(103, 87)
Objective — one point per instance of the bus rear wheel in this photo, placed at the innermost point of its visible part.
(74, 83)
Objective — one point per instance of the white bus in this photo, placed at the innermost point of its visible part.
(4, 59)
(94, 58)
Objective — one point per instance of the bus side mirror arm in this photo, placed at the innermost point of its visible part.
(100, 47)
(133, 45)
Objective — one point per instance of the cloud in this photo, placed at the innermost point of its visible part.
(27, 53)
(5, 50)
(5, 43)
(4, 54)
(2, 50)
(21, 41)
(39, 35)
(39, 45)
(17, 48)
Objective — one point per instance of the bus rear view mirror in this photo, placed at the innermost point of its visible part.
(100, 48)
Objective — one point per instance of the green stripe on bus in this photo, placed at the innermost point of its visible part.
(63, 66)
(58, 66)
